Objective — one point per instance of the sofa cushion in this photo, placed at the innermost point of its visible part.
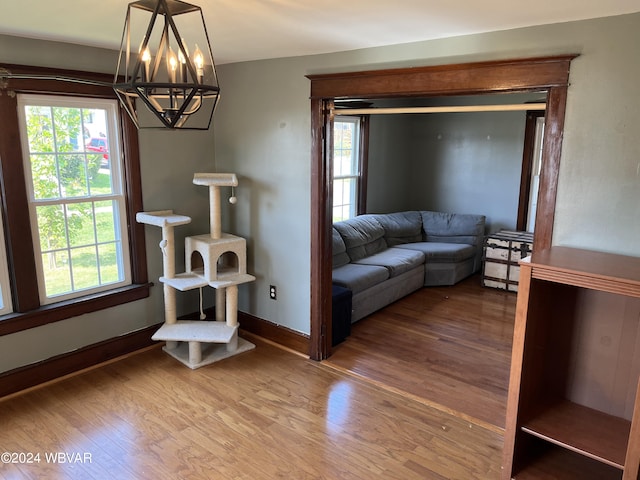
(452, 227)
(396, 260)
(401, 227)
(339, 251)
(359, 277)
(362, 235)
(438, 252)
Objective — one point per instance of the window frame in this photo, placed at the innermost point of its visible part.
(362, 148)
(28, 312)
(117, 195)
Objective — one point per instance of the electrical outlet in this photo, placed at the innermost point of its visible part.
(272, 292)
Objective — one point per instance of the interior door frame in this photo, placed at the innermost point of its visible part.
(542, 74)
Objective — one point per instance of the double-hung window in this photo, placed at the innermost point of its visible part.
(348, 167)
(75, 193)
(71, 187)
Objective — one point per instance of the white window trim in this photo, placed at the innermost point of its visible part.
(115, 158)
(356, 121)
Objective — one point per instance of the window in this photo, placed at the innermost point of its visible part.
(75, 194)
(70, 180)
(348, 167)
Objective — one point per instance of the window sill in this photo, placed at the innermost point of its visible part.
(16, 322)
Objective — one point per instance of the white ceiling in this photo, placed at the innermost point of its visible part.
(251, 29)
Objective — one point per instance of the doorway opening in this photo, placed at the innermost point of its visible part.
(549, 74)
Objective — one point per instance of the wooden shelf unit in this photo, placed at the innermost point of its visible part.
(547, 435)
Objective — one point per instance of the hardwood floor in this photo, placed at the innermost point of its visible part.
(449, 347)
(264, 414)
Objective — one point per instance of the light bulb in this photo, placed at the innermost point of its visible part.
(146, 55)
(198, 59)
(146, 60)
(172, 65)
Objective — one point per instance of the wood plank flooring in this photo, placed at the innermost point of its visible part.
(447, 346)
(264, 414)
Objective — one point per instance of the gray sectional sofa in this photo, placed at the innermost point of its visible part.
(383, 257)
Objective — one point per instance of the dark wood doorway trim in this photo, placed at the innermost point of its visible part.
(548, 74)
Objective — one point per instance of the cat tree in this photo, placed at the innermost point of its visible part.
(217, 260)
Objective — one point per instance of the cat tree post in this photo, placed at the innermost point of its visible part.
(167, 245)
(215, 229)
(167, 221)
(215, 213)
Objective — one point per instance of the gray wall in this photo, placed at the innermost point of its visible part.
(469, 163)
(262, 133)
(450, 162)
(389, 164)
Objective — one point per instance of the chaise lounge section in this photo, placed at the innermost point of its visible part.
(383, 257)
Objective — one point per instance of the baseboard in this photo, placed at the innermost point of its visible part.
(276, 333)
(283, 336)
(53, 368)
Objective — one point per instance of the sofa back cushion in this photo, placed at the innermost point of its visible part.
(362, 235)
(453, 227)
(339, 251)
(401, 227)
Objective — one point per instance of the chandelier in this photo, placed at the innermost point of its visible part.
(166, 63)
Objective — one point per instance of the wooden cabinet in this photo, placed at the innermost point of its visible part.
(550, 431)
